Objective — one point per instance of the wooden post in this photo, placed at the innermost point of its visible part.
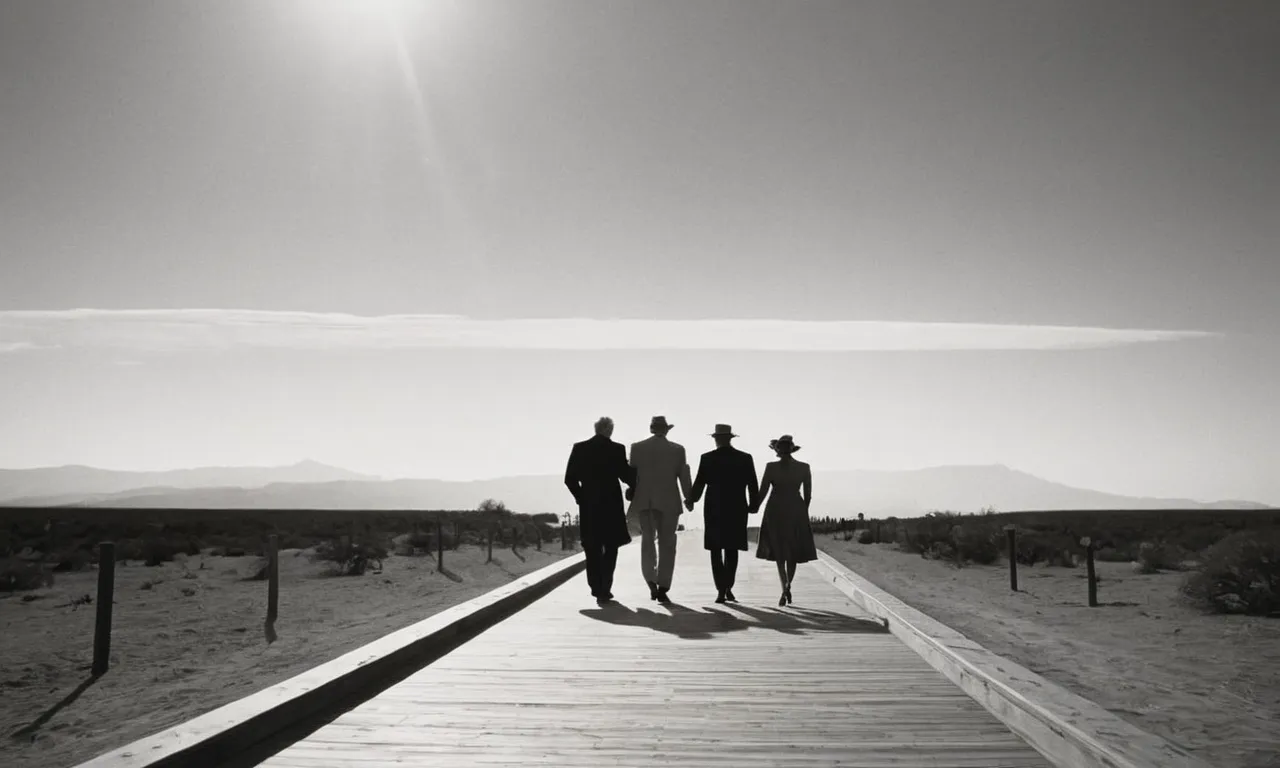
(564, 536)
(273, 585)
(490, 560)
(106, 598)
(51, 554)
(515, 540)
(537, 529)
(1087, 543)
(273, 577)
(440, 546)
(1012, 531)
(457, 534)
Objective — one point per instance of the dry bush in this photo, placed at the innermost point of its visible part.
(1155, 557)
(352, 559)
(865, 536)
(976, 542)
(20, 575)
(72, 560)
(1240, 574)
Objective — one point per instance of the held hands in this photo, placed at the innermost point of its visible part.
(688, 504)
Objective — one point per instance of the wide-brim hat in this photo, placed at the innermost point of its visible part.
(723, 430)
(784, 443)
(659, 422)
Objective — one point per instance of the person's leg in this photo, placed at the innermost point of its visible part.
(717, 569)
(593, 569)
(608, 561)
(791, 572)
(782, 573)
(648, 556)
(667, 548)
(730, 570)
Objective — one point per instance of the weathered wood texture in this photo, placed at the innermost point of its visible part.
(566, 683)
(1073, 731)
(229, 732)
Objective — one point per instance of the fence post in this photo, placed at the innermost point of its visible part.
(440, 545)
(1087, 542)
(515, 540)
(490, 560)
(564, 537)
(106, 598)
(273, 585)
(1012, 531)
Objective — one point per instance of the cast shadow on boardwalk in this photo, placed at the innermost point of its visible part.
(692, 624)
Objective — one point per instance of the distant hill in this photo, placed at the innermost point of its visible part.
(903, 493)
(74, 481)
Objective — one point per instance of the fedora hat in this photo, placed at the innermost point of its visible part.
(723, 430)
(659, 423)
(784, 443)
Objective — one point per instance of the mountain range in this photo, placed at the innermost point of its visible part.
(312, 485)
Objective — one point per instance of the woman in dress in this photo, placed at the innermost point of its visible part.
(785, 535)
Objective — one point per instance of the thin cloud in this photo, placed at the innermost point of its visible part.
(176, 330)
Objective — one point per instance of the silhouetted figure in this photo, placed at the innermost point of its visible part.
(785, 535)
(595, 469)
(662, 478)
(729, 477)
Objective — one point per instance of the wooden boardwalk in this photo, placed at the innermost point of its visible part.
(566, 683)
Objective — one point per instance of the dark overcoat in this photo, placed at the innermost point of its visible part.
(729, 476)
(595, 469)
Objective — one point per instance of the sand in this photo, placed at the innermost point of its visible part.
(194, 640)
(1210, 683)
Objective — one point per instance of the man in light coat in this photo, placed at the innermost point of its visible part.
(662, 482)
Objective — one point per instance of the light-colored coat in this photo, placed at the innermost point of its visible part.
(662, 475)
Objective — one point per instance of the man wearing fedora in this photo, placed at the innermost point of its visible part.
(595, 469)
(662, 479)
(729, 477)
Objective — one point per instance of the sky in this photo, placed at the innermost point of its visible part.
(439, 239)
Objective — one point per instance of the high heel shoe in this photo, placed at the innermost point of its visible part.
(787, 595)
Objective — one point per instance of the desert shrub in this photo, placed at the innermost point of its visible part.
(865, 536)
(20, 575)
(1113, 555)
(352, 559)
(1061, 558)
(1155, 557)
(939, 550)
(159, 551)
(1239, 574)
(976, 543)
(129, 549)
(72, 560)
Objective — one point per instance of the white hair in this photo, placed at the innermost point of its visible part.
(603, 424)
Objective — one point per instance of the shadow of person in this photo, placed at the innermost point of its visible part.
(693, 624)
(678, 620)
(811, 621)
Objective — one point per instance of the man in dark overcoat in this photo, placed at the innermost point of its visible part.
(729, 477)
(595, 469)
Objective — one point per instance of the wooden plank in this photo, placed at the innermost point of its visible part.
(228, 731)
(569, 683)
(1071, 730)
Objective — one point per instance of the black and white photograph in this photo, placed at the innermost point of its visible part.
(581, 383)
